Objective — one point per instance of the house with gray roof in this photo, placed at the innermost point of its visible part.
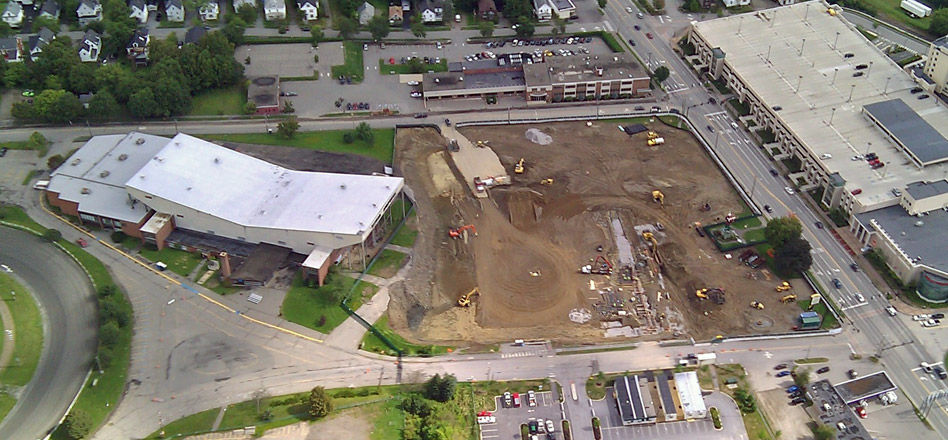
(89, 11)
(13, 14)
(365, 12)
(40, 40)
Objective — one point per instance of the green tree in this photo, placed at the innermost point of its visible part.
(288, 107)
(794, 256)
(250, 108)
(417, 405)
(5, 30)
(77, 424)
(801, 377)
(109, 334)
(602, 4)
(434, 429)
(142, 103)
(45, 22)
(103, 106)
(82, 78)
(248, 13)
(661, 74)
(780, 230)
(559, 25)
(234, 30)
(316, 33)
(55, 161)
(364, 132)
(320, 403)
(52, 235)
(37, 141)
(486, 27)
(348, 137)
(659, 5)
(23, 111)
(412, 429)
(378, 27)
(692, 6)
(939, 23)
(441, 388)
(347, 27)
(104, 356)
(824, 432)
(57, 106)
(288, 128)
(417, 27)
(111, 311)
(16, 74)
(525, 28)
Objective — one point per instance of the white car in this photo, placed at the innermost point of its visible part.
(412, 83)
(860, 298)
(891, 311)
(549, 426)
(930, 323)
(826, 156)
(628, 9)
(788, 190)
(541, 426)
(920, 317)
(416, 94)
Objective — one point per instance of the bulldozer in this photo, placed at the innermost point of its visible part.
(789, 298)
(456, 232)
(652, 135)
(657, 196)
(482, 144)
(546, 182)
(714, 294)
(783, 287)
(465, 300)
(518, 168)
(757, 305)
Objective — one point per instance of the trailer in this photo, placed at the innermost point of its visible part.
(916, 9)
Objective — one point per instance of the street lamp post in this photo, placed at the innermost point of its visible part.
(835, 71)
(831, 116)
(801, 46)
(836, 41)
(799, 82)
(886, 91)
(869, 70)
(851, 90)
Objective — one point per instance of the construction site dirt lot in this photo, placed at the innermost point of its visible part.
(531, 240)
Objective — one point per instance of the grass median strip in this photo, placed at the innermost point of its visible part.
(373, 344)
(27, 332)
(380, 148)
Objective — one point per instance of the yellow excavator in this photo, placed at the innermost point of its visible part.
(657, 196)
(789, 298)
(652, 135)
(465, 300)
(783, 287)
(714, 294)
(757, 305)
(518, 168)
(546, 182)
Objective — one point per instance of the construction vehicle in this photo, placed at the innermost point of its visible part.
(783, 287)
(456, 232)
(600, 266)
(546, 182)
(652, 135)
(657, 196)
(656, 141)
(518, 168)
(714, 294)
(465, 300)
(482, 144)
(757, 305)
(453, 146)
(789, 298)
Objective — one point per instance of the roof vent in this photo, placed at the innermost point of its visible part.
(122, 156)
(919, 223)
(104, 174)
(343, 186)
(460, 78)
(375, 205)
(75, 161)
(139, 141)
(262, 212)
(217, 160)
(189, 188)
(86, 191)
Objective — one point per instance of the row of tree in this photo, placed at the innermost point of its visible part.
(425, 420)
(791, 250)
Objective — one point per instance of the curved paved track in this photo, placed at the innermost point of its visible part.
(68, 305)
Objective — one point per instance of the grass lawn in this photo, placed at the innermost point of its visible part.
(353, 66)
(704, 377)
(6, 404)
(753, 422)
(318, 308)
(755, 235)
(226, 101)
(130, 243)
(381, 147)
(596, 385)
(387, 264)
(178, 261)
(372, 343)
(752, 222)
(484, 392)
(29, 176)
(16, 215)
(891, 9)
(388, 420)
(399, 69)
(27, 331)
(192, 424)
(408, 233)
(16, 145)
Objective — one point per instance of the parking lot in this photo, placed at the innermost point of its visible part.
(457, 51)
(613, 429)
(509, 419)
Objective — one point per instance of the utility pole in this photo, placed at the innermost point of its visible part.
(831, 116)
(836, 41)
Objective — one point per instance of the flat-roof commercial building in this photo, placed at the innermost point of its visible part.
(936, 65)
(844, 118)
(689, 395)
(264, 92)
(146, 186)
(866, 387)
(634, 400)
(831, 410)
(668, 396)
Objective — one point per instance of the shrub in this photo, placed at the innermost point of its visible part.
(117, 237)
(52, 235)
(77, 424)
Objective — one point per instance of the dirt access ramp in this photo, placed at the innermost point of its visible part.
(472, 161)
(532, 238)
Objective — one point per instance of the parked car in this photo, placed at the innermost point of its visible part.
(891, 311)
(774, 172)
(929, 323)
(415, 94)
(532, 426)
(768, 208)
(788, 190)
(837, 284)
(541, 426)
(412, 83)
(923, 96)
(549, 426)
(797, 401)
(507, 399)
(793, 389)
(783, 373)
(780, 367)
(3, 151)
(531, 398)
(938, 316)
(421, 115)
(823, 370)
(860, 298)
(920, 317)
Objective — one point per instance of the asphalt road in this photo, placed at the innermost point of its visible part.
(67, 301)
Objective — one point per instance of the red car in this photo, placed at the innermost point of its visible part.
(82, 242)
(648, 35)
(516, 400)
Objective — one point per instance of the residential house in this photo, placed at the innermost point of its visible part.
(546, 9)
(50, 9)
(309, 9)
(90, 46)
(13, 14)
(85, 99)
(210, 10)
(89, 11)
(365, 12)
(138, 10)
(733, 3)
(152, 5)
(137, 47)
(174, 11)
(194, 35)
(274, 9)
(406, 5)
(395, 13)
(432, 11)
(487, 9)
(11, 47)
(40, 40)
(239, 3)
(543, 10)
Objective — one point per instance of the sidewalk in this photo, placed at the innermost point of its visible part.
(349, 334)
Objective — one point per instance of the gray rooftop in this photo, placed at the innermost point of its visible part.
(633, 405)
(823, 392)
(943, 42)
(906, 126)
(665, 393)
(865, 387)
(926, 241)
(579, 68)
(924, 190)
(452, 80)
(563, 4)
(766, 50)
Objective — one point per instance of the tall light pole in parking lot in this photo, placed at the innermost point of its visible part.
(886, 91)
(851, 90)
(869, 70)
(836, 41)
(835, 71)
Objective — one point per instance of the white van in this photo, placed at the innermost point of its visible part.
(41, 185)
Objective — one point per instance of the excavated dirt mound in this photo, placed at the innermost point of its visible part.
(531, 239)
